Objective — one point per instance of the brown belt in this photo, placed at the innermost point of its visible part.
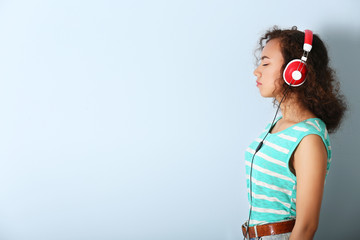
(269, 229)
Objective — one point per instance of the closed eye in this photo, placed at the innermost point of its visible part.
(265, 64)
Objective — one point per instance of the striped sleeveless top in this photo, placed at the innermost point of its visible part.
(273, 184)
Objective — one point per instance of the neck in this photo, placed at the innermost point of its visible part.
(293, 111)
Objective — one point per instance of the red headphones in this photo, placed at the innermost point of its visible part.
(295, 71)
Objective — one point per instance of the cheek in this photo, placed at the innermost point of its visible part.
(278, 78)
(277, 73)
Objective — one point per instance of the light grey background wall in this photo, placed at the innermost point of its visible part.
(339, 215)
(129, 119)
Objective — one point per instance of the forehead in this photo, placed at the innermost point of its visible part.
(272, 50)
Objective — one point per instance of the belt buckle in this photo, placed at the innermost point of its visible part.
(256, 234)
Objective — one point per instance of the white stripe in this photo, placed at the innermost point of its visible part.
(250, 150)
(266, 157)
(270, 186)
(300, 129)
(274, 146)
(269, 210)
(326, 133)
(317, 123)
(293, 200)
(268, 172)
(293, 139)
(271, 199)
(312, 124)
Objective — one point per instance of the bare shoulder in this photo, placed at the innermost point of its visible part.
(311, 150)
(312, 143)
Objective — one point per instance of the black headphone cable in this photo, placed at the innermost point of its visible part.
(252, 161)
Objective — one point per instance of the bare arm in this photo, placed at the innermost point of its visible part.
(310, 159)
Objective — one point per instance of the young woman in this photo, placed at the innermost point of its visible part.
(287, 165)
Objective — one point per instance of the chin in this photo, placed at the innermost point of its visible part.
(266, 95)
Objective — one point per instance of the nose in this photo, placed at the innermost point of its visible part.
(257, 72)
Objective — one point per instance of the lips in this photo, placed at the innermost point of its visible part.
(258, 83)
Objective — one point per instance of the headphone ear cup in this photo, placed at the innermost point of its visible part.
(295, 73)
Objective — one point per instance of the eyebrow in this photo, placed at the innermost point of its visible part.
(263, 57)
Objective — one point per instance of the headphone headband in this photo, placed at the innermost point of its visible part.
(308, 40)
